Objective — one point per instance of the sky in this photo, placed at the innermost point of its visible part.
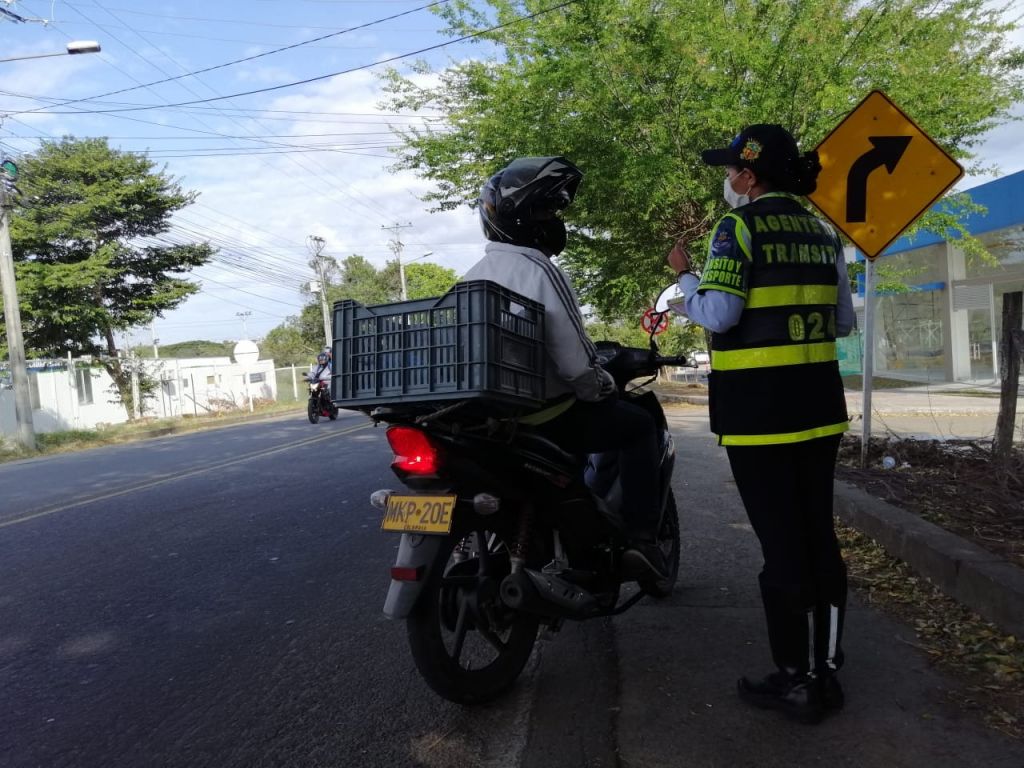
(271, 168)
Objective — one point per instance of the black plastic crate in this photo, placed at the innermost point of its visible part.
(479, 340)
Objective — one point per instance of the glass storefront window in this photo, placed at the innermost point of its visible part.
(909, 340)
(1007, 248)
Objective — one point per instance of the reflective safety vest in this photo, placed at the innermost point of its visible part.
(775, 376)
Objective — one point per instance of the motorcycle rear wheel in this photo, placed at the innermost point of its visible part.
(668, 541)
(468, 646)
(313, 411)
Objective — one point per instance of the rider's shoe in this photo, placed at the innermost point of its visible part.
(644, 559)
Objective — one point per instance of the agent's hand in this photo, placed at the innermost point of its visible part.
(678, 258)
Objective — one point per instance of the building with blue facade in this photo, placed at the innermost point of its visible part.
(947, 328)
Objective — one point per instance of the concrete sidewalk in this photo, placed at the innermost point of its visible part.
(680, 658)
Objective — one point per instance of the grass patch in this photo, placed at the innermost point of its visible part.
(680, 388)
(989, 662)
(80, 439)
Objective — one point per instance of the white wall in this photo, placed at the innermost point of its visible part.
(187, 386)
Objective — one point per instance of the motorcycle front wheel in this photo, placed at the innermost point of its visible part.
(313, 411)
(466, 643)
(668, 541)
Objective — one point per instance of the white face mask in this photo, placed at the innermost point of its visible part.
(732, 197)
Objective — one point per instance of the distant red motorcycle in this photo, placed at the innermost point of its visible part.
(320, 402)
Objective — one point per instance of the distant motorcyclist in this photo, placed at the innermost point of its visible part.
(322, 370)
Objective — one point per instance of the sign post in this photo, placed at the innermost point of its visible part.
(869, 359)
(879, 173)
(246, 353)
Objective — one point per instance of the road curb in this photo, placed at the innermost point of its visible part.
(691, 399)
(974, 577)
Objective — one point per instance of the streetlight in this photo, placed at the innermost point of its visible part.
(74, 48)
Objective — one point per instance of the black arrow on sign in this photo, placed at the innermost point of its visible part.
(887, 151)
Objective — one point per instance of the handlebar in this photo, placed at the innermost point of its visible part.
(678, 360)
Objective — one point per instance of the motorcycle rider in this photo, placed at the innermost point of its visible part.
(322, 370)
(518, 212)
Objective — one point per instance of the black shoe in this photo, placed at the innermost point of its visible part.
(644, 559)
(798, 696)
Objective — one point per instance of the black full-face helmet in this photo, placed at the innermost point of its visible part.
(520, 203)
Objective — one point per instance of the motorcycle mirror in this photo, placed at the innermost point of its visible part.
(670, 298)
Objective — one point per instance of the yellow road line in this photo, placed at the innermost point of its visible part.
(182, 475)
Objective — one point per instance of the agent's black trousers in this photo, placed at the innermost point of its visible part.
(787, 491)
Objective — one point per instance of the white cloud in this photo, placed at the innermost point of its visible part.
(347, 199)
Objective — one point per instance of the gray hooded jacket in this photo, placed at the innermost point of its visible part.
(572, 365)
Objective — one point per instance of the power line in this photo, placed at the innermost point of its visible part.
(327, 76)
(259, 111)
(247, 58)
(176, 17)
(288, 156)
(291, 159)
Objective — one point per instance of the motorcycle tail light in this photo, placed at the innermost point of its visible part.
(407, 572)
(414, 453)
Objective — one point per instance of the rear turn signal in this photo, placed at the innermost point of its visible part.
(414, 453)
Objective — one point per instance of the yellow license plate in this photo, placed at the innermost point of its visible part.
(419, 514)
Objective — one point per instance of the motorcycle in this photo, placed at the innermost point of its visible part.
(503, 532)
(320, 401)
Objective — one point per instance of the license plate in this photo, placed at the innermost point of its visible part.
(419, 514)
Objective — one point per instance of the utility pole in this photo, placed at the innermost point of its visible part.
(12, 318)
(396, 246)
(154, 339)
(245, 328)
(316, 247)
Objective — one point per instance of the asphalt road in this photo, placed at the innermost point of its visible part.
(214, 599)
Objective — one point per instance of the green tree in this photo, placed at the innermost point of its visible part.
(632, 90)
(358, 279)
(194, 348)
(680, 338)
(88, 254)
(286, 345)
(424, 280)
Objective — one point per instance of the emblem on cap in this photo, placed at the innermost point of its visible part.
(751, 150)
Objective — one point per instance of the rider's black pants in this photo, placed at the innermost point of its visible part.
(612, 424)
(787, 491)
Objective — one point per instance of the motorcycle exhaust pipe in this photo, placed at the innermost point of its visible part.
(545, 594)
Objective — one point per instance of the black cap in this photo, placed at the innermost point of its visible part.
(768, 150)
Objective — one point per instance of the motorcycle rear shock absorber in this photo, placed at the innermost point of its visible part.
(520, 549)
